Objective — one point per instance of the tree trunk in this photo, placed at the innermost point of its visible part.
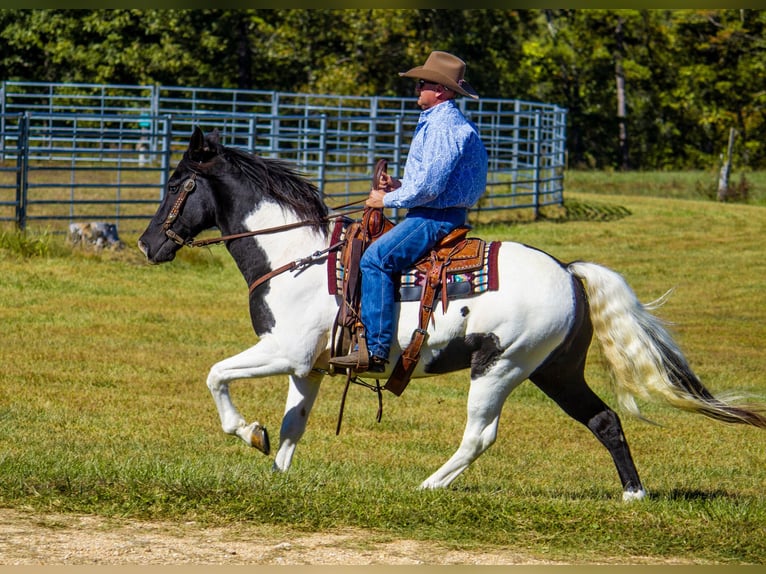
(622, 114)
(244, 55)
(723, 177)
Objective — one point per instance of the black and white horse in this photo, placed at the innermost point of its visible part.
(537, 325)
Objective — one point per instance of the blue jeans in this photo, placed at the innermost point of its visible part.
(393, 252)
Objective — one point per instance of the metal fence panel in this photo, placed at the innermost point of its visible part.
(12, 184)
(75, 151)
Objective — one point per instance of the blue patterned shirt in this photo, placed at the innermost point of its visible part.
(446, 164)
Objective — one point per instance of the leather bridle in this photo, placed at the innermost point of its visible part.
(188, 186)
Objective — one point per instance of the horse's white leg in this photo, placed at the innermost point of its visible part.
(485, 403)
(261, 360)
(300, 399)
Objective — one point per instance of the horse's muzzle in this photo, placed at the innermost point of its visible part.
(160, 256)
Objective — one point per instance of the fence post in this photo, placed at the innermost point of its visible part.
(274, 141)
(252, 136)
(22, 181)
(398, 147)
(398, 156)
(372, 130)
(167, 152)
(515, 138)
(155, 112)
(2, 120)
(322, 153)
(536, 163)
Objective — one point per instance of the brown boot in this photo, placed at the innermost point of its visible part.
(351, 361)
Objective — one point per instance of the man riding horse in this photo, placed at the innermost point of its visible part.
(445, 174)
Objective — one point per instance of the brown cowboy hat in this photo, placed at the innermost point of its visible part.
(445, 69)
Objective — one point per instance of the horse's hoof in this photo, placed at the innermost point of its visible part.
(259, 438)
(631, 495)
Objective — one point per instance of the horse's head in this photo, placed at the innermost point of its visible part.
(188, 205)
(218, 186)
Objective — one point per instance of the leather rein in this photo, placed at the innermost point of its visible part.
(189, 186)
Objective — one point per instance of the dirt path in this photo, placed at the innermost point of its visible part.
(28, 538)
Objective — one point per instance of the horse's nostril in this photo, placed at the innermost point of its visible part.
(142, 247)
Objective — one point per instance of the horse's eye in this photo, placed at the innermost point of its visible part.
(172, 188)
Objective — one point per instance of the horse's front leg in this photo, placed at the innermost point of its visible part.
(300, 399)
(261, 360)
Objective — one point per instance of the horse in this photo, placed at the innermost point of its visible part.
(538, 325)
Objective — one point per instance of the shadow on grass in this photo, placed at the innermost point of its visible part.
(677, 494)
(597, 493)
(591, 211)
(572, 210)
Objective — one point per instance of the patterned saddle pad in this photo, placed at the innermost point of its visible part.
(459, 284)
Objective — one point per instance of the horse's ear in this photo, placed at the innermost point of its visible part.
(203, 147)
(197, 141)
(214, 137)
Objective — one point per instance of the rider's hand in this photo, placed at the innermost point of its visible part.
(388, 183)
(375, 199)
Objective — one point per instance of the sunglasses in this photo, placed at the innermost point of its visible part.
(421, 83)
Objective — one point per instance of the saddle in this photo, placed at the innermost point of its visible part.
(454, 254)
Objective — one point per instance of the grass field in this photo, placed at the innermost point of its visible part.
(104, 408)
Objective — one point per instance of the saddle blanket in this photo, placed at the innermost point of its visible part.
(459, 285)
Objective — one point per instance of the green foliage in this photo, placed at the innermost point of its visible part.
(690, 75)
(28, 245)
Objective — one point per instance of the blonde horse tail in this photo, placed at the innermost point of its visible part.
(643, 359)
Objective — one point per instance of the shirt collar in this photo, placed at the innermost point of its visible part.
(442, 106)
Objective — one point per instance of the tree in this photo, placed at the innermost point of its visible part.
(722, 79)
(644, 89)
(490, 42)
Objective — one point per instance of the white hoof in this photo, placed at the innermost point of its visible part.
(631, 495)
(430, 485)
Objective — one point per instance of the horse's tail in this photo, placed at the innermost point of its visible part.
(642, 356)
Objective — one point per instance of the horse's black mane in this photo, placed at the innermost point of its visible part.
(281, 182)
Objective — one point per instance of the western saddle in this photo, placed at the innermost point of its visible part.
(455, 253)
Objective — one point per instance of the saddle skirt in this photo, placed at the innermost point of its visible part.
(472, 267)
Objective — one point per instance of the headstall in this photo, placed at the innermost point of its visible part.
(188, 186)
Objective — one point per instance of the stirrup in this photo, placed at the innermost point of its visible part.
(355, 362)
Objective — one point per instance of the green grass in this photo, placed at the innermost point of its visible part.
(104, 408)
(745, 187)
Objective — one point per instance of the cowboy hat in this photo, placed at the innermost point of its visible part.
(445, 69)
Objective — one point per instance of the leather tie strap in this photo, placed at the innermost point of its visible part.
(304, 262)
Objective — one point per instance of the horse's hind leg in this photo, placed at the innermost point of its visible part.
(485, 403)
(564, 382)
